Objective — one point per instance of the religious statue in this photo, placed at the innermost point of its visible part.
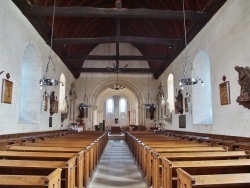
(151, 111)
(52, 103)
(160, 95)
(244, 82)
(83, 111)
(179, 102)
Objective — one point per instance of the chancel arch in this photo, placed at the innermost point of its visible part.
(133, 99)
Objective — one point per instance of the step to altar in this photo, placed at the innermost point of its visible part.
(120, 136)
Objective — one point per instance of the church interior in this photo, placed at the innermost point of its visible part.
(124, 93)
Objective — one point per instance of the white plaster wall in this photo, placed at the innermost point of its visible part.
(15, 34)
(226, 39)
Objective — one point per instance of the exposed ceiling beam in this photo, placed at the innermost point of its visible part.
(104, 70)
(119, 39)
(113, 12)
(115, 58)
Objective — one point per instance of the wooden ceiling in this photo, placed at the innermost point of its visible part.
(154, 27)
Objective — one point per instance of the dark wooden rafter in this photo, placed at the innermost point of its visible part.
(104, 70)
(119, 39)
(115, 58)
(116, 13)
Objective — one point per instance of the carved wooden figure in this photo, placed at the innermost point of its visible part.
(52, 103)
(179, 102)
(244, 81)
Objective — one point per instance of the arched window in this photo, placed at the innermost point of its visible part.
(202, 96)
(30, 101)
(62, 92)
(110, 107)
(122, 107)
(171, 91)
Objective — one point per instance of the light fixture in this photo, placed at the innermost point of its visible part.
(50, 81)
(117, 86)
(184, 81)
(85, 103)
(148, 99)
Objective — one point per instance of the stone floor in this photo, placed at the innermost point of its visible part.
(117, 168)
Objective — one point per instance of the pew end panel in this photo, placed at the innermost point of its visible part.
(185, 180)
(53, 180)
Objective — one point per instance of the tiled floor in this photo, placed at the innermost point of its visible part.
(117, 168)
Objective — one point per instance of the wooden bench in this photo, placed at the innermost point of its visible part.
(153, 161)
(144, 154)
(185, 180)
(53, 180)
(43, 149)
(194, 156)
(205, 155)
(47, 156)
(203, 167)
(28, 167)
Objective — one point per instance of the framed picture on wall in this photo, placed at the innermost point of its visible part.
(7, 87)
(225, 93)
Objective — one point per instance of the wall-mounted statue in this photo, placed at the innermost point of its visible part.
(151, 111)
(52, 103)
(179, 102)
(83, 111)
(160, 96)
(244, 81)
(72, 92)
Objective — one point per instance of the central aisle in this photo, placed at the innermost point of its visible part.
(117, 168)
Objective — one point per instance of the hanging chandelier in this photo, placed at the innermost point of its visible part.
(185, 81)
(45, 81)
(148, 99)
(117, 86)
(85, 103)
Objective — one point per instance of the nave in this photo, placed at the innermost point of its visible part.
(117, 168)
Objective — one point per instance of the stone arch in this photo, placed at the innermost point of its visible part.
(131, 92)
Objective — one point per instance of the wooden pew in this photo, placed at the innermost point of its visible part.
(53, 180)
(144, 153)
(43, 149)
(185, 180)
(92, 152)
(205, 155)
(47, 156)
(153, 160)
(201, 168)
(29, 167)
(194, 156)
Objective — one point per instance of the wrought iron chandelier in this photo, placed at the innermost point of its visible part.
(85, 103)
(45, 81)
(117, 86)
(148, 99)
(185, 81)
